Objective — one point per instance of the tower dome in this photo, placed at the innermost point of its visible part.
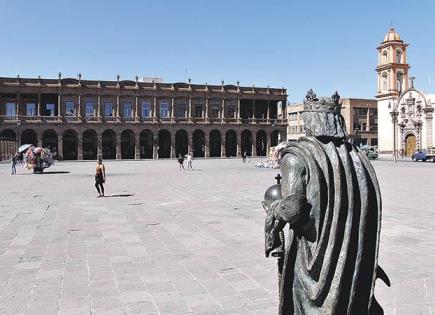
(391, 36)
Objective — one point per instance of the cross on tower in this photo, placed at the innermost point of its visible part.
(278, 179)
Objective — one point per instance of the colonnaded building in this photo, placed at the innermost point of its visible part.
(405, 112)
(85, 119)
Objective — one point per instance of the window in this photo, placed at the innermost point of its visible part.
(49, 109)
(69, 108)
(30, 109)
(127, 107)
(89, 109)
(398, 56)
(384, 81)
(108, 109)
(180, 110)
(374, 141)
(146, 109)
(198, 111)
(164, 109)
(11, 110)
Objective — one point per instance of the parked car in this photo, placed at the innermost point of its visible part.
(419, 156)
(423, 155)
(370, 151)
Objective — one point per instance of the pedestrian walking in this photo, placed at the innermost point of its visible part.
(13, 164)
(181, 161)
(244, 157)
(189, 162)
(100, 177)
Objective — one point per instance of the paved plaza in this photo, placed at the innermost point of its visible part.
(166, 241)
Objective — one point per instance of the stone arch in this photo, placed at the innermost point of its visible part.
(246, 142)
(275, 138)
(127, 144)
(70, 145)
(146, 144)
(109, 144)
(50, 141)
(214, 143)
(164, 144)
(89, 144)
(261, 143)
(198, 143)
(181, 142)
(8, 143)
(29, 136)
(231, 143)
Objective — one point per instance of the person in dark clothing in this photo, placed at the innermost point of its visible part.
(181, 161)
(14, 164)
(100, 177)
(244, 157)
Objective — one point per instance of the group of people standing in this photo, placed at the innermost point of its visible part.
(181, 158)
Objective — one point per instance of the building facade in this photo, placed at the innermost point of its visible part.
(85, 119)
(405, 113)
(360, 116)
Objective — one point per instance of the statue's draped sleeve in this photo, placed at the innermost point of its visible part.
(330, 265)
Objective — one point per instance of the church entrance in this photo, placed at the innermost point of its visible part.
(409, 145)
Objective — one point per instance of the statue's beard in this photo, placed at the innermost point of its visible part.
(324, 124)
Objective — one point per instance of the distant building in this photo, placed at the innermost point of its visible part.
(152, 80)
(85, 119)
(360, 116)
(405, 113)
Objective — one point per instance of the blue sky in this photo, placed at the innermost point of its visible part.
(324, 45)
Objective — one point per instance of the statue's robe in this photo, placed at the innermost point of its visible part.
(330, 265)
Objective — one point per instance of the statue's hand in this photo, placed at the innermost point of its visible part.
(292, 209)
(272, 227)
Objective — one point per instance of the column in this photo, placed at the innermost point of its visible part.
(268, 139)
(189, 142)
(99, 146)
(172, 109)
(99, 107)
(154, 109)
(239, 145)
(79, 146)
(190, 109)
(18, 106)
(60, 147)
(238, 110)
(206, 109)
(136, 109)
(254, 145)
(368, 120)
(284, 110)
(118, 146)
(39, 106)
(206, 145)
(79, 106)
(59, 109)
(268, 112)
(223, 110)
(137, 146)
(429, 126)
(172, 154)
(117, 109)
(223, 147)
(155, 151)
(253, 111)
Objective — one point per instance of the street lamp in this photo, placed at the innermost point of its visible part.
(394, 114)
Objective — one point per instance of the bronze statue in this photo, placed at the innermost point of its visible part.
(330, 199)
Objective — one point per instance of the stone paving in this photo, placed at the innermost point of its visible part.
(184, 242)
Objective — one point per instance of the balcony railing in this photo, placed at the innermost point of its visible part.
(109, 119)
(71, 119)
(50, 118)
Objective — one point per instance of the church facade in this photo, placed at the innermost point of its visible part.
(405, 113)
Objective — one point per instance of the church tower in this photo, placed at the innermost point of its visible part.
(392, 71)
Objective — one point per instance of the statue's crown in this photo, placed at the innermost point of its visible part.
(324, 104)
